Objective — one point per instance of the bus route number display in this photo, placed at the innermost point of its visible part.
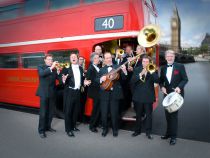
(109, 23)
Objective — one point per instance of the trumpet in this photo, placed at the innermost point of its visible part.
(133, 62)
(120, 53)
(62, 65)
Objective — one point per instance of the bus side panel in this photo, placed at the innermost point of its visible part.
(18, 86)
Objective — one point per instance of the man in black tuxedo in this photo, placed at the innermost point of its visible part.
(127, 89)
(73, 80)
(109, 99)
(93, 90)
(140, 50)
(83, 95)
(173, 77)
(46, 91)
(98, 50)
(144, 95)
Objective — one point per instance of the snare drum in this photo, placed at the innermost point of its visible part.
(173, 102)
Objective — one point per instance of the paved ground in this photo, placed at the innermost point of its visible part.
(19, 138)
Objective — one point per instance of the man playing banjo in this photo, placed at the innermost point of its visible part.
(173, 77)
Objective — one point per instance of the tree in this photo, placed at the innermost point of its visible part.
(204, 48)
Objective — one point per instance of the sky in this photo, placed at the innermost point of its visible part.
(194, 16)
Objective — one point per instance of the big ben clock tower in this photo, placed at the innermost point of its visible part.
(175, 31)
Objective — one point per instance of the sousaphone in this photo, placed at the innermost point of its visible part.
(149, 36)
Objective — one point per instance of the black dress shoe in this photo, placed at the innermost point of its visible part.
(172, 141)
(136, 134)
(100, 126)
(42, 135)
(94, 130)
(76, 129)
(149, 136)
(70, 134)
(104, 133)
(164, 137)
(115, 134)
(51, 130)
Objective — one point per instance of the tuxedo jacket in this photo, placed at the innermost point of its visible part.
(117, 92)
(94, 87)
(144, 92)
(130, 73)
(179, 78)
(70, 81)
(47, 82)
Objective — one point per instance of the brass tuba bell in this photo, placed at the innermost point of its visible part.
(149, 35)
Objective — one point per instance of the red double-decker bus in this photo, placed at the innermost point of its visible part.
(29, 29)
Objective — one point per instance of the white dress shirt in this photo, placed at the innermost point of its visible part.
(96, 67)
(169, 73)
(77, 76)
(109, 69)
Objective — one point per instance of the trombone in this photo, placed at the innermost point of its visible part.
(151, 68)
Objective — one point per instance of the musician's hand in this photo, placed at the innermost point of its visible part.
(130, 68)
(129, 59)
(143, 72)
(103, 78)
(64, 77)
(123, 68)
(177, 89)
(53, 65)
(87, 82)
(163, 89)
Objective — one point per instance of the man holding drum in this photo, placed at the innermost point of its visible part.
(173, 77)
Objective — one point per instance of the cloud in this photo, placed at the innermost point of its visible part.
(194, 41)
(199, 36)
(165, 35)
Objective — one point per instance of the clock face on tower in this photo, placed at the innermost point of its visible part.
(174, 24)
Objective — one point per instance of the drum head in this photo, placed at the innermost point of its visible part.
(170, 99)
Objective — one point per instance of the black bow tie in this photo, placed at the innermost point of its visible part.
(169, 65)
(109, 66)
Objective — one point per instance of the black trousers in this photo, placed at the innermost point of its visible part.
(46, 113)
(95, 116)
(126, 101)
(83, 98)
(71, 108)
(172, 124)
(112, 106)
(147, 107)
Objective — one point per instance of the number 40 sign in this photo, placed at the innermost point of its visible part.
(109, 23)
